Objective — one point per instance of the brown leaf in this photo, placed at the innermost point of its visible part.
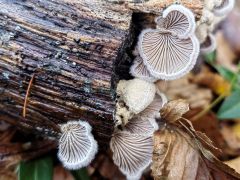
(231, 137)
(213, 81)
(178, 155)
(209, 125)
(7, 175)
(174, 110)
(231, 30)
(12, 153)
(234, 163)
(183, 88)
(225, 55)
(61, 174)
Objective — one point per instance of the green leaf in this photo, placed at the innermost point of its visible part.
(38, 169)
(230, 76)
(80, 174)
(230, 109)
(225, 73)
(210, 58)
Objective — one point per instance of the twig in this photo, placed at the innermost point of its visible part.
(207, 109)
(216, 101)
(26, 96)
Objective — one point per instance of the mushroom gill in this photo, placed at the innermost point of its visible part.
(139, 70)
(132, 146)
(77, 146)
(132, 153)
(178, 20)
(171, 50)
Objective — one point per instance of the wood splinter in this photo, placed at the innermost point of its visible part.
(26, 96)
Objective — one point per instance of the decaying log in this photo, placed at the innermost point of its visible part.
(156, 6)
(73, 49)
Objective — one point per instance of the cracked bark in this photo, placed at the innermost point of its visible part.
(73, 49)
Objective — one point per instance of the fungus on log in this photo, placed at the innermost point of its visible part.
(71, 50)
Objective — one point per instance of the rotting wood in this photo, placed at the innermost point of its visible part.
(74, 49)
(156, 6)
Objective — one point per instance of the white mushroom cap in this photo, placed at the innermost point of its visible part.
(132, 153)
(137, 94)
(166, 56)
(77, 146)
(177, 19)
(224, 8)
(209, 45)
(139, 70)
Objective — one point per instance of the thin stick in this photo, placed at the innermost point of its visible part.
(207, 109)
(216, 101)
(26, 96)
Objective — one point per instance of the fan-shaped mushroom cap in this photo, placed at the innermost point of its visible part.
(177, 19)
(209, 44)
(77, 146)
(132, 153)
(166, 56)
(141, 125)
(139, 70)
(224, 8)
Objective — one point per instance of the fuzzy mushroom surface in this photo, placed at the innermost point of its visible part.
(133, 97)
(77, 146)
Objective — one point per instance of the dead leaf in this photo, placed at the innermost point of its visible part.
(231, 136)
(61, 173)
(174, 110)
(184, 88)
(213, 81)
(234, 163)
(7, 175)
(209, 125)
(177, 155)
(231, 30)
(225, 55)
(13, 153)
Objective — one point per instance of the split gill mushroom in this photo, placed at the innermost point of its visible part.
(171, 50)
(132, 146)
(77, 146)
(139, 70)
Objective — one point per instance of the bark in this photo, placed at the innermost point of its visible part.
(74, 51)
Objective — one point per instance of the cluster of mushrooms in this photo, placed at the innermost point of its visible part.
(165, 53)
(214, 11)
